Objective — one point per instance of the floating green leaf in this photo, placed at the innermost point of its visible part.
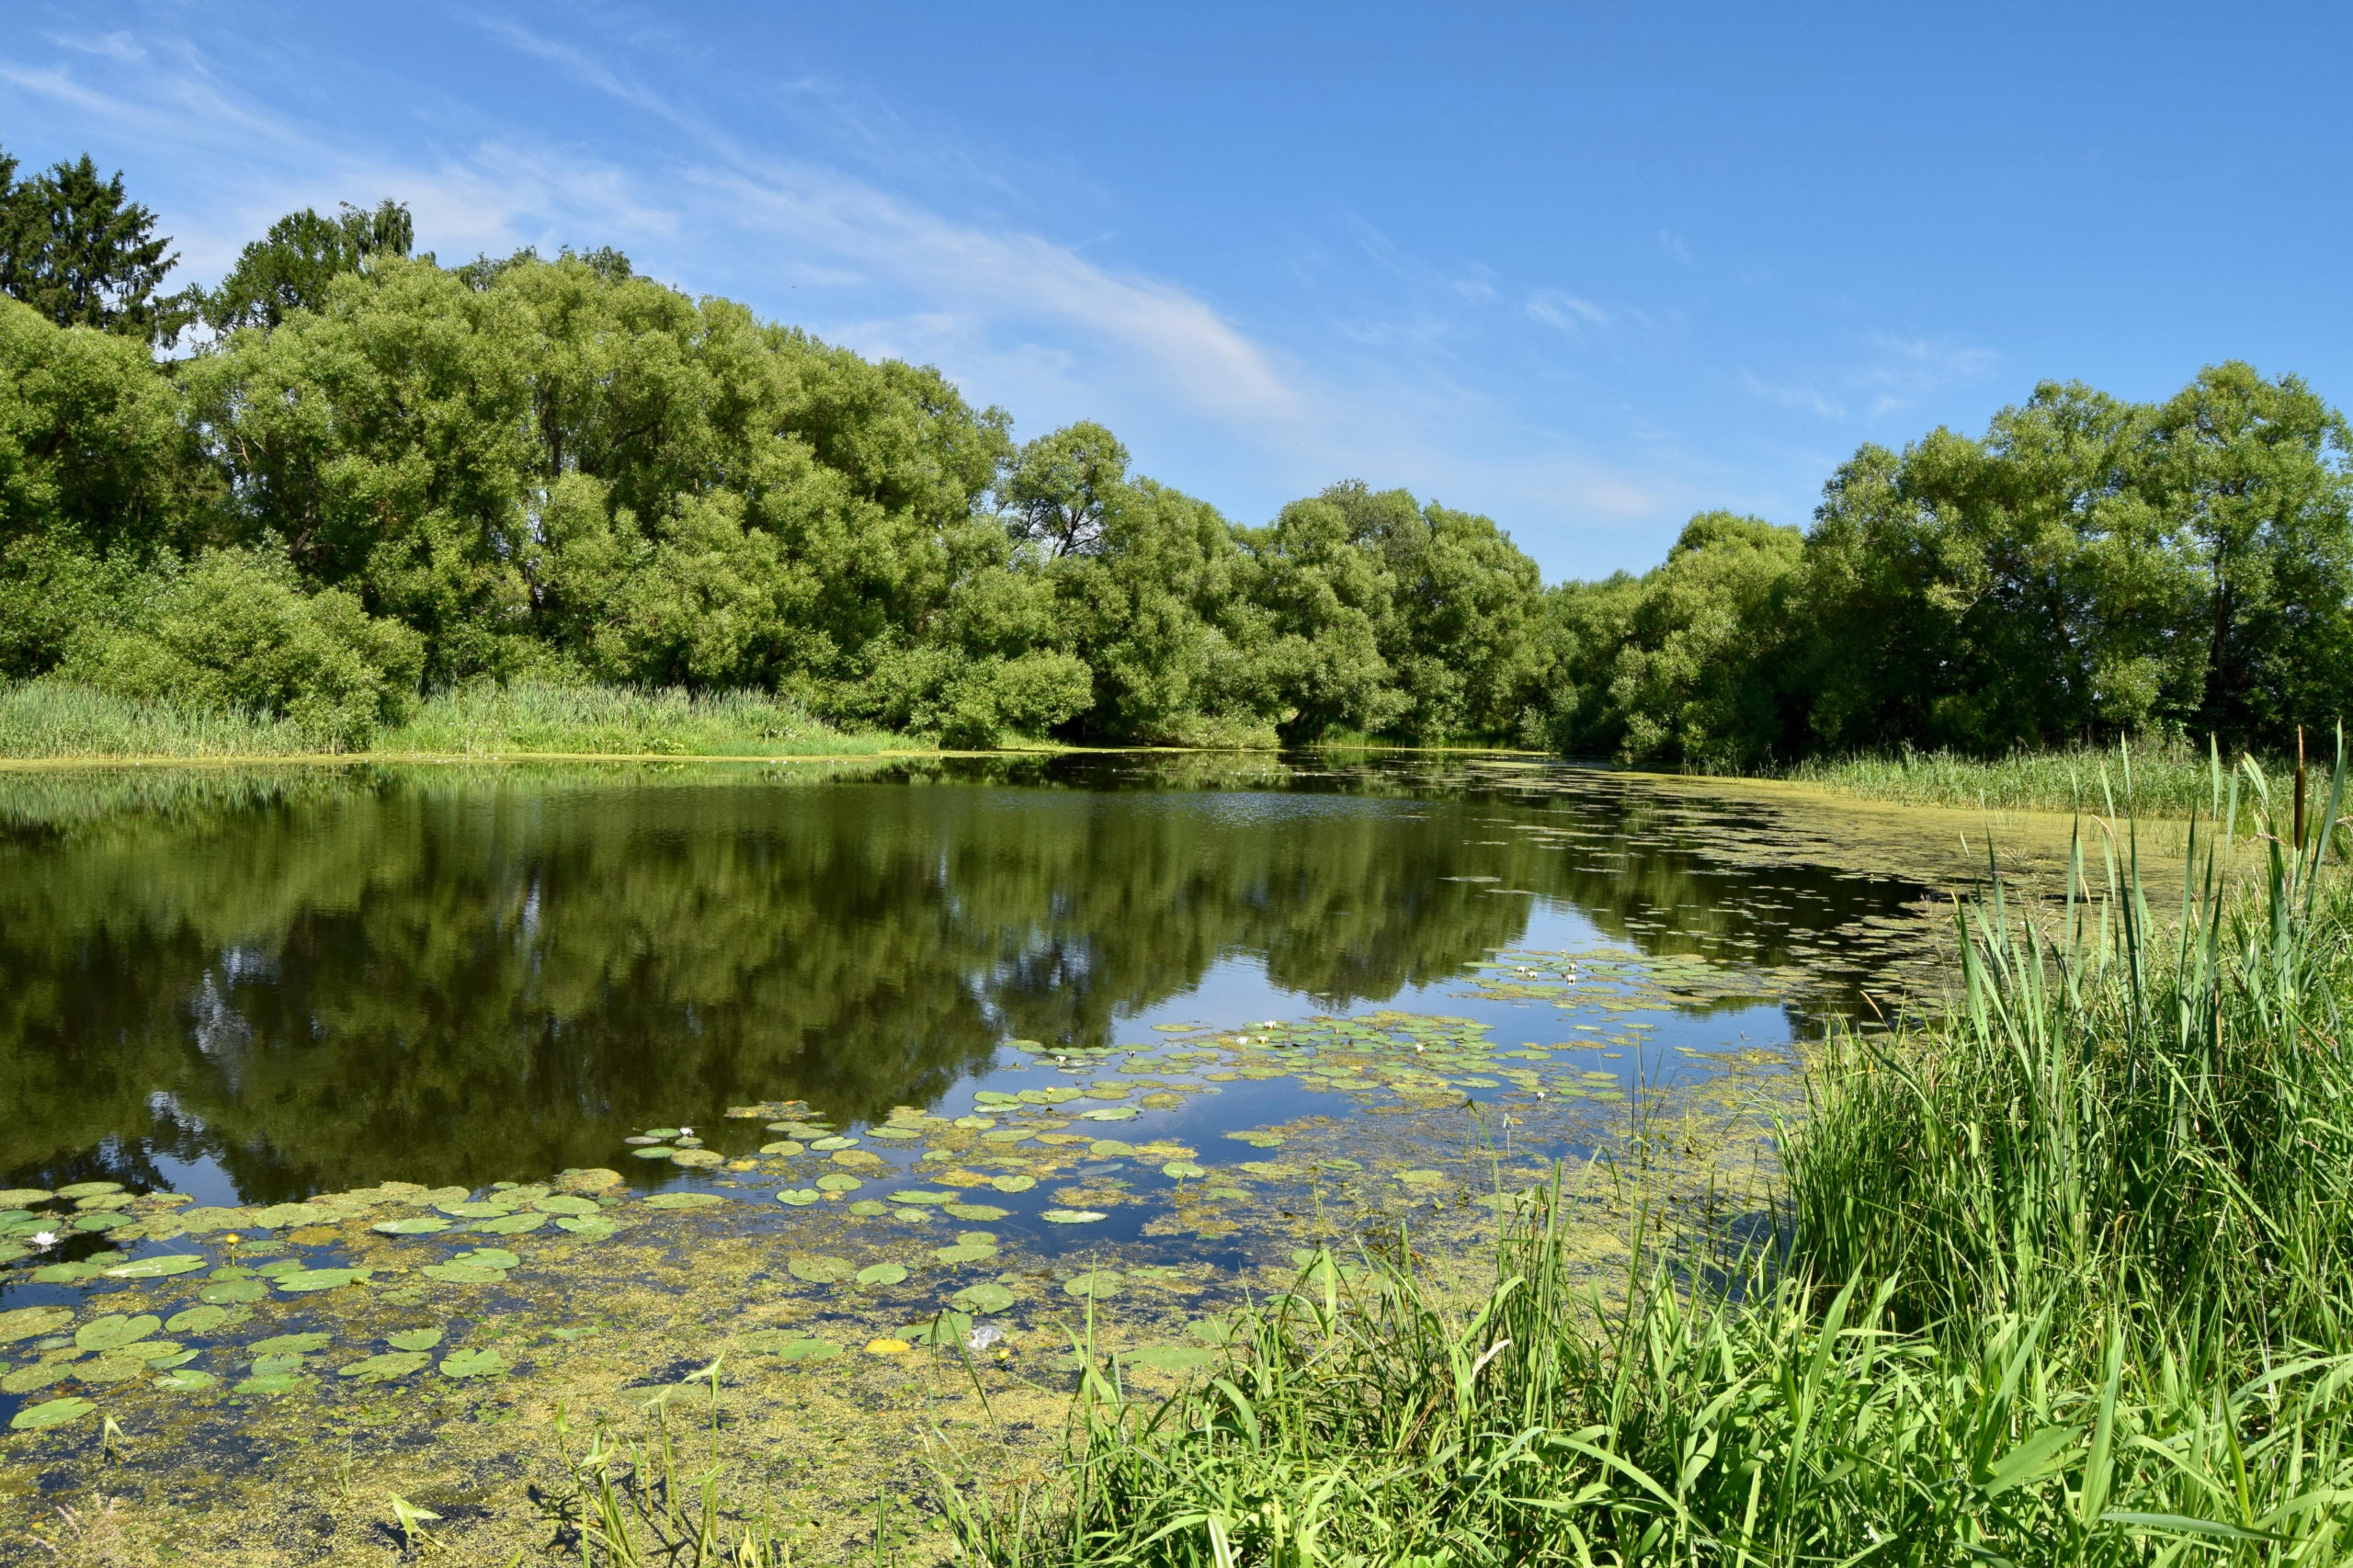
(463, 1273)
(799, 1196)
(414, 1339)
(89, 1188)
(1101, 1284)
(835, 1181)
(511, 1224)
(25, 1322)
(463, 1210)
(565, 1203)
(981, 1211)
(271, 1384)
(208, 1217)
(307, 1279)
(1013, 1183)
(656, 1152)
(384, 1368)
(989, 1297)
(785, 1147)
(944, 1328)
(229, 1291)
(415, 1225)
(114, 1329)
(801, 1349)
(589, 1227)
(1071, 1216)
(820, 1269)
(280, 1216)
(964, 1252)
(101, 1220)
(921, 1197)
(1109, 1149)
(52, 1412)
(683, 1200)
(484, 1363)
(1108, 1113)
(185, 1380)
(1182, 1170)
(882, 1274)
(698, 1158)
(489, 1257)
(868, 1208)
(197, 1320)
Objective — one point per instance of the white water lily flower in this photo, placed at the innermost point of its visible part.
(982, 1337)
(44, 1239)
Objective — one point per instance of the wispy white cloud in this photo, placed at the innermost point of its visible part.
(1799, 397)
(1564, 311)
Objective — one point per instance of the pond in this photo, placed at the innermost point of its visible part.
(334, 1087)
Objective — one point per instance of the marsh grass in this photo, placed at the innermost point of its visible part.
(2168, 780)
(56, 719)
(51, 719)
(2063, 1279)
(525, 718)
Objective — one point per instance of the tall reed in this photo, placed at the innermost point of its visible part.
(2117, 1110)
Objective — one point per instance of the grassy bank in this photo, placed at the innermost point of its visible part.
(52, 719)
(2060, 1279)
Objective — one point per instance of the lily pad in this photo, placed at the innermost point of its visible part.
(981, 1211)
(1005, 1135)
(25, 1322)
(887, 1345)
(694, 1158)
(869, 1208)
(965, 1251)
(835, 1181)
(212, 1218)
(683, 1200)
(858, 1159)
(1071, 1216)
(463, 1273)
(282, 1216)
(511, 1224)
(489, 1257)
(799, 1196)
(1108, 1113)
(114, 1329)
(227, 1292)
(414, 1339)
(784, 1146)
(882, 1274)
(384, 1368)
(101, 1220)
(24, 1196)
(1101, 1284)
(36, 1376)
(1422, 1178)
(989, 1297)
(1109, 1149)
(821, 1270)
(565, 1203)
(414, 1226)
(1182, 1170)
(587, 1227)
(185, 1380)
(464, 1210)
(654, 1152)
(483, 1363)
(89, 1188)
(271, 1384)
(197, 1320)
(51, 1413)
(1013, 1183)
(304, 1281)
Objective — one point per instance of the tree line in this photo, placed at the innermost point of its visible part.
(350, 472)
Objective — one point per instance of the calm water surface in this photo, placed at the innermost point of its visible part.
(251, 988)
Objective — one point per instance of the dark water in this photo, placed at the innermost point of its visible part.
(260, 986)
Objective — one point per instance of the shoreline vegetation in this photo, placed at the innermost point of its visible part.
(57, 722)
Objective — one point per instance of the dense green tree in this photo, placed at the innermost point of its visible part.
(288, 269)
(78, 250)
(1059, 485)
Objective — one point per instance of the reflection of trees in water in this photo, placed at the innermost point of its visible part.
(405, 977)
(475, 975)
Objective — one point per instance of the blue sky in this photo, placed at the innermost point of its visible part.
(1587, 269)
